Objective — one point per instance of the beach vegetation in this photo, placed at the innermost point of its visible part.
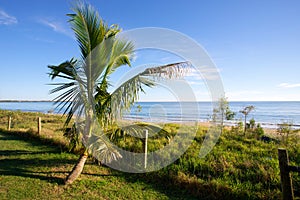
(285, 131)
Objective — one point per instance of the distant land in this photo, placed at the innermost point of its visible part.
(26, 101)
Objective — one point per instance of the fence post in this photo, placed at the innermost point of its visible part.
(146, 148)
(39, 126)
(9, 123)
(285, 177)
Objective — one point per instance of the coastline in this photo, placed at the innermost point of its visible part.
(271, 127)
(271, 132)
(268, 114)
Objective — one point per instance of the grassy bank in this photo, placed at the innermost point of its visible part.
(237, 167)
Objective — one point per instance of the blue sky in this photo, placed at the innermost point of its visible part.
(254, 44)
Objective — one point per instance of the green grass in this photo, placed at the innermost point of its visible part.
(34, 166)
(32, 170)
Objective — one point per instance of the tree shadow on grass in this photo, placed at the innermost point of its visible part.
(177, 187)
(28, 168)
(34, 163)
(22, 152)
(160, 183)
(33, 138)
(31, 174)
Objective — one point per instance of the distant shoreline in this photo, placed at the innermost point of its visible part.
(17, 101)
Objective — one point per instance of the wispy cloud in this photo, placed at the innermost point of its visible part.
(204, 73)
(6, 19)
(289, 85)
(57, 27)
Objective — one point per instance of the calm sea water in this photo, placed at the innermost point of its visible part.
(267, 113)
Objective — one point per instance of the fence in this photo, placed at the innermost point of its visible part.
(285, 176)
(39, 124)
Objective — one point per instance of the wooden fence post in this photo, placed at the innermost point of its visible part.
(285, 177)
(39, 126)
(146, 148)
(9, 123)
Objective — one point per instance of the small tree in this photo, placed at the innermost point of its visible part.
(238, 128)
(245, 112)
(255, 129)
(252, 124)
(285, 130)
(259, 131)
(224, 111)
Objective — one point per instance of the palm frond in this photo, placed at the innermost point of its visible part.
(170, 71)
(127, 93)
(67, 70)
(110, 54)
(102, 149)
(122, 54)
(84, 23)
(89, 28)
(62, 86)
(66, 100)
(124, 97)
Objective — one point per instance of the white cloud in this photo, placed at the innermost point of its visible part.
(289, 85)
(57, 27)
(6, 19)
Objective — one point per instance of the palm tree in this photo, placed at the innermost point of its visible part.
(245, 112)
(86, 91)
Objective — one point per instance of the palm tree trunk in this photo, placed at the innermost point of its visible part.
(77, 169)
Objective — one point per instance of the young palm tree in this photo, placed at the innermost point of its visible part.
(86, 91)
(245, 112)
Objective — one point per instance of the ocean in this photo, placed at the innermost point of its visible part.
(267, 113)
